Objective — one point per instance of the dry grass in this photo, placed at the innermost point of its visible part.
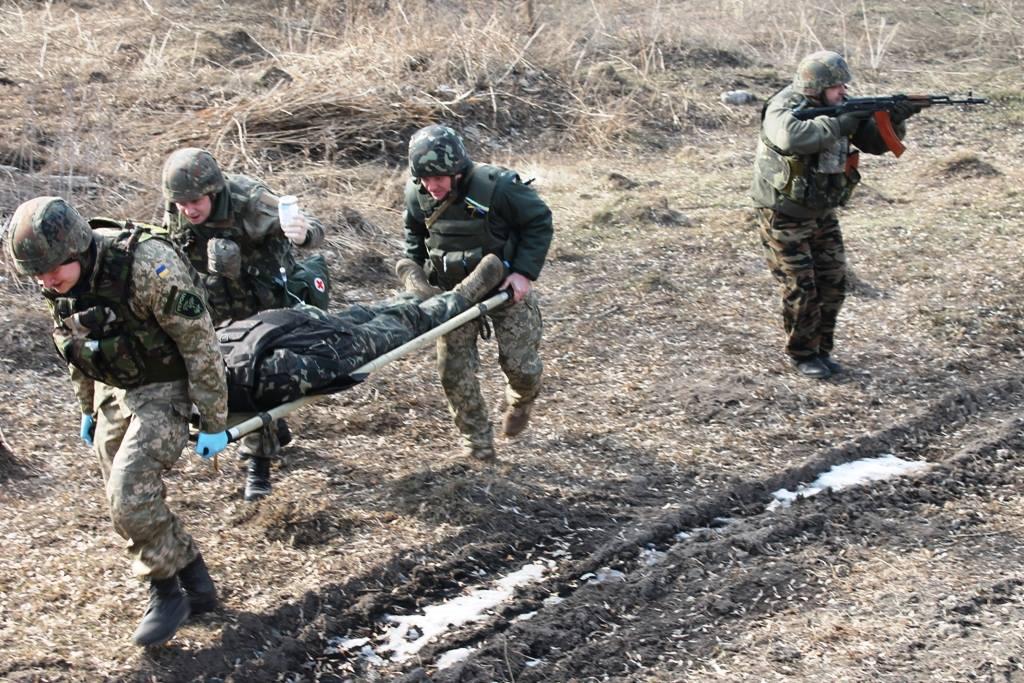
(101, 97)
(663, 368)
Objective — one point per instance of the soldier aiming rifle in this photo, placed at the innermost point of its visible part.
(810, 142)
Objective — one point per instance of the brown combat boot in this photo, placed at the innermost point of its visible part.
(414, 279)
(480, 453)
(516, 418)
(483, 280)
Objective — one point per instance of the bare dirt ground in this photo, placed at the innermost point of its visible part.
(669, 415)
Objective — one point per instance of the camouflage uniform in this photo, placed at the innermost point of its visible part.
(280, 355)
(489, 210)
(139, 371)
(245, 212)
(803, 171)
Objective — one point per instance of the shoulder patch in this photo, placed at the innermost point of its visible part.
(162, 270)
(187, 305)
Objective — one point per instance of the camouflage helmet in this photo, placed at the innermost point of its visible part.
(436, 150)
(190, 173)
(820, 70)
(44, 233)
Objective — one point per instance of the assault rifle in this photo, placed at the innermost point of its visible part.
(882, 107)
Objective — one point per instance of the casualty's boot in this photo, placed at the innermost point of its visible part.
(257, 481)
(195, 579)
(516, 418)
(484, 278)
(414, 279)
(168, 609)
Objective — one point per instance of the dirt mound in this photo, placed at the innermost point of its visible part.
(633, 212)
(25, 342)
(300, 526)
(967, 166)
(11, 467)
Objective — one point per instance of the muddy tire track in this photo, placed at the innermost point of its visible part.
(713, 583)
(721, 578)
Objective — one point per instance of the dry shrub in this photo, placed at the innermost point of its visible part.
(306, 92)
(967, 165)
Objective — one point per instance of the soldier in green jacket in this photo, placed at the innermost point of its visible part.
(804, 171)
(130, 319)
(228, 227)
(456, 212)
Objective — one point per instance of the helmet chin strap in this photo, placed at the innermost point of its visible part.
(87, 259)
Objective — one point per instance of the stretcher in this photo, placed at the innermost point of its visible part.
(252, 422)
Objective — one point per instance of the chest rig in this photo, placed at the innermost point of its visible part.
(816, 181)
(97, 332)
(460, 230)
(260, 284)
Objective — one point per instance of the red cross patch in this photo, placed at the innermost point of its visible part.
(319, 284)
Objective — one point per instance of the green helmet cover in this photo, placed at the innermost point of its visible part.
(190, 173)
(44, 233)
(820, 70)
(436, 150)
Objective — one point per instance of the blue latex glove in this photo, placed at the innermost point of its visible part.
(209, 445)
(88, 428)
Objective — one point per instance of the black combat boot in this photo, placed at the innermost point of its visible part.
(833, 367)
(257, 483)
(195, 579)
(284, 433)
(812, 367)
(167, 610)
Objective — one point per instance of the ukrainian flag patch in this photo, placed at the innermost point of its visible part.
(162, 270)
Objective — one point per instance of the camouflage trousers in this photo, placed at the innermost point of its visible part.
(140, 434)
(807, 258)
(517, 329)
(262, 443)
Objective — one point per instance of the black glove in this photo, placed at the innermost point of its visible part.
(851, 120)
(903, 111)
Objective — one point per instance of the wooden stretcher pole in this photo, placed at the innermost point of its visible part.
(362, 372)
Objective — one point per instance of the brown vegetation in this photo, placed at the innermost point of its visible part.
(668, 406)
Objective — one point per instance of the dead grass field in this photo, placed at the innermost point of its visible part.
(668, 408)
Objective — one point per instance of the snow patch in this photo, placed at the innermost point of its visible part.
(850, 474)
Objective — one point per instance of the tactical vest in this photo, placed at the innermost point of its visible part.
(459, 233)
(803, 178)
(261, 285)
(97, 331)
(245, 345)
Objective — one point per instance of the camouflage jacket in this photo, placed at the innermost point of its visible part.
(790, 173)
(164, 312)
(490, 210)
(246, 213)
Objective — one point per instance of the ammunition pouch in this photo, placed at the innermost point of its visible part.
(448, 268)
(224, 258)
(121, 360)
(796, 178)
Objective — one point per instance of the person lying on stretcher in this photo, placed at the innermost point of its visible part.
(281, 354)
